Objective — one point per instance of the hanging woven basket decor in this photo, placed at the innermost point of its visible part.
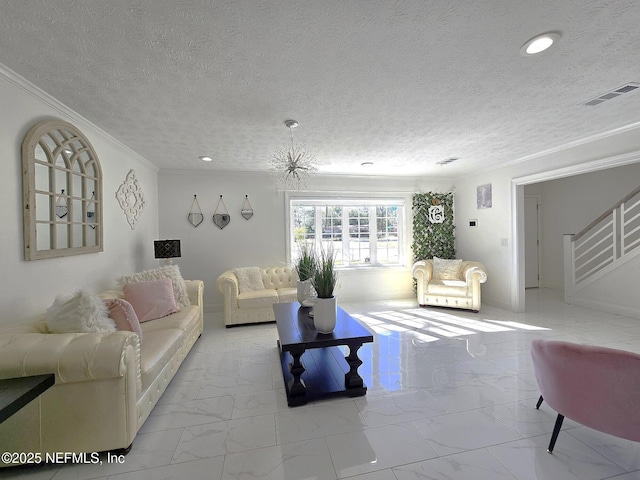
(219, 218)
(195, 215)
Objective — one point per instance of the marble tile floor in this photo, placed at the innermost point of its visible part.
(451, 396)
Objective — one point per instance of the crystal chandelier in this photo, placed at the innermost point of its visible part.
(293, 166)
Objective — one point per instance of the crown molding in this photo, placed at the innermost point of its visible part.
(67, 113)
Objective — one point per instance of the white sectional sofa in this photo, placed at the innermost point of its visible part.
(106, 384)
(253, 304)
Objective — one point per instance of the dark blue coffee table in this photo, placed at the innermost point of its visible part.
(326, 372)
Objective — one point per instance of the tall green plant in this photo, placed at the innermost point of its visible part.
(306, 264)
(433, 239)
(325, 277)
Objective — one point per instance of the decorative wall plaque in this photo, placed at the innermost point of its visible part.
(131, 199)
(436, 213)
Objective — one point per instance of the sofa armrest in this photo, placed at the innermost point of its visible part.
(195, 289)
(422, 271)
(72, 357)
(227, 284)
(473, 271)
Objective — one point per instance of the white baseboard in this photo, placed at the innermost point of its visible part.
(494, 302)
(623, 310)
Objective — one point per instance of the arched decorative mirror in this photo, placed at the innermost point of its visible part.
(62, 192)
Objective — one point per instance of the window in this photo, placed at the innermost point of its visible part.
(362, 232)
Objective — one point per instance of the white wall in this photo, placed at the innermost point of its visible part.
(615, 292)
(207, 251)
(505, 286)
(28, 288)
(570, 204)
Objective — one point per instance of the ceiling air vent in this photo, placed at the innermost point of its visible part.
(447, 161)
(628, 88)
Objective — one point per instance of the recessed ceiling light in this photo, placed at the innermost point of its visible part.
(366, 164)
(539, 43)
(205, 158)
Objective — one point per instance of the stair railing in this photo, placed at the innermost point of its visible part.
(612, 236)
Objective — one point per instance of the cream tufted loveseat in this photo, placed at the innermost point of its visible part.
(106, 384)
(255, 306)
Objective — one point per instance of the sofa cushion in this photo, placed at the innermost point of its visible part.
(156, 350)
(168, 271)
(151, 300)
(80, 312)
(287, 294)
(124, 316)
(257, 298)
(446, 269)
(249, 278)
(440, 288)
(181, 320)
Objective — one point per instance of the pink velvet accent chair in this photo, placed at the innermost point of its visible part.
(597, 387)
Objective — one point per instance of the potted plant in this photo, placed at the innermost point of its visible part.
(324, 282)
(305, 267)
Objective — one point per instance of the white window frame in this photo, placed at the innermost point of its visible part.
(319, 200)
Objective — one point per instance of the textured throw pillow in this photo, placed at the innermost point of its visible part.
(151, 300)
(123, 315)
(168, 271)
(80, 312)
(249, 278)
(446, 269)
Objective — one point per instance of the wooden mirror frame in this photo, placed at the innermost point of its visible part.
(60, 169)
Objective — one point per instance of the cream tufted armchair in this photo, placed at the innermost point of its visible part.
(256, 305)
(454, 283)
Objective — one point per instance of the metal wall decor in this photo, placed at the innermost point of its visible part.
(195, 217)
(131, 199)
(91, 211)
(61, 205)
(247, 209)
(221, 219)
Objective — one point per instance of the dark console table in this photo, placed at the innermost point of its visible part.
(324, 371)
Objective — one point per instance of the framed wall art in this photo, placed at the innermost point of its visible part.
(484, 196)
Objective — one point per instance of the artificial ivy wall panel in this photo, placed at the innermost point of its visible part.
(433, 226)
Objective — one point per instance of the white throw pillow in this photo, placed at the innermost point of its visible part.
(249, 278)
(446, 269)
(168, 271)
(80, 312)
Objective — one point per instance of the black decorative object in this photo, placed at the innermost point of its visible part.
(247, 209)
(195, 217)
(167, 249)
(221, 219)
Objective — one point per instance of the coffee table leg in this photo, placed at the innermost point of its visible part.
(297, 388)
(353, 382)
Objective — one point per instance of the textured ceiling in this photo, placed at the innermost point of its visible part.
(403, 83)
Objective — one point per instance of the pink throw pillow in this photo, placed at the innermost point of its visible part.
(123, 315)
(151, 300)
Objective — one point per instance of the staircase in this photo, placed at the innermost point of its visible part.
(606, 244)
